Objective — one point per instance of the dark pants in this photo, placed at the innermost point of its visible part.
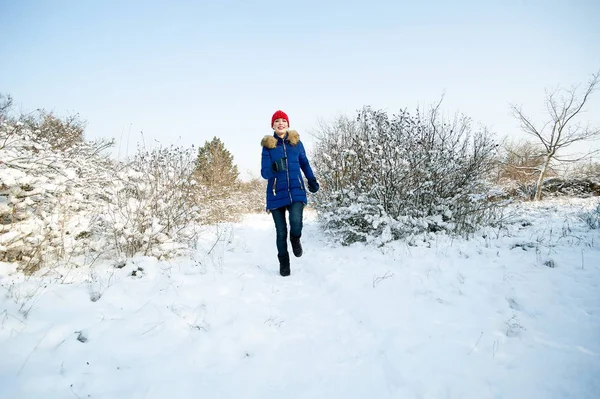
(295, 215)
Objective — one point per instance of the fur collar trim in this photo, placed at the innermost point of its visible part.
(270, 142)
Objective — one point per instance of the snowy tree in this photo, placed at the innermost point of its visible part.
(561, 130)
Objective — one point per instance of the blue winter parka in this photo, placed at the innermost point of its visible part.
(285, 186)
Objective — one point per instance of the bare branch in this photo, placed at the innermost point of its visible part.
(575, 137)
(528, 127)
(591, 86)
(581, 158)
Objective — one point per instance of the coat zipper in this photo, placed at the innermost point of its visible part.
(287, 169)
(274, 186)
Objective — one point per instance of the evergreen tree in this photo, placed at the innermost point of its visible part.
(214, 165)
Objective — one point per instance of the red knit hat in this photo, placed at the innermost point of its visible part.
(279, 114)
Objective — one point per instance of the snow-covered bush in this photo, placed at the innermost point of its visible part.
(46, 196)
(389, 177)
(150, 207)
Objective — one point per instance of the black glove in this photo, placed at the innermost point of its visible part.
(279, 165)
(313, 186)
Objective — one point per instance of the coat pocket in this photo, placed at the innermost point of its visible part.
(274, 186)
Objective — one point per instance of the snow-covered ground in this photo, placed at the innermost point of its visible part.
(512, 314)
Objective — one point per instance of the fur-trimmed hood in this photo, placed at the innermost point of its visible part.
(270, 142)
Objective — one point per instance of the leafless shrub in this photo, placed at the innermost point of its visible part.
(587, 170)
(519, 165)
(60, 133)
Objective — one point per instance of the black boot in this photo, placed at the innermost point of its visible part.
(284, 265)
(296, 246)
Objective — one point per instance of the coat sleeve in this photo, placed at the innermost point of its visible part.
(265, 165)
(304, 164)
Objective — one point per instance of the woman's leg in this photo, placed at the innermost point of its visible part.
(280, 230)
(281, 233)
(296, 209)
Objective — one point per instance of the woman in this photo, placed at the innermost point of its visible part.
(283, 157)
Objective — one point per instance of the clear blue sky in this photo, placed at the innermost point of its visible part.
(183, 72)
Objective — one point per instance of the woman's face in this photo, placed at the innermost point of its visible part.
(280, 126)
